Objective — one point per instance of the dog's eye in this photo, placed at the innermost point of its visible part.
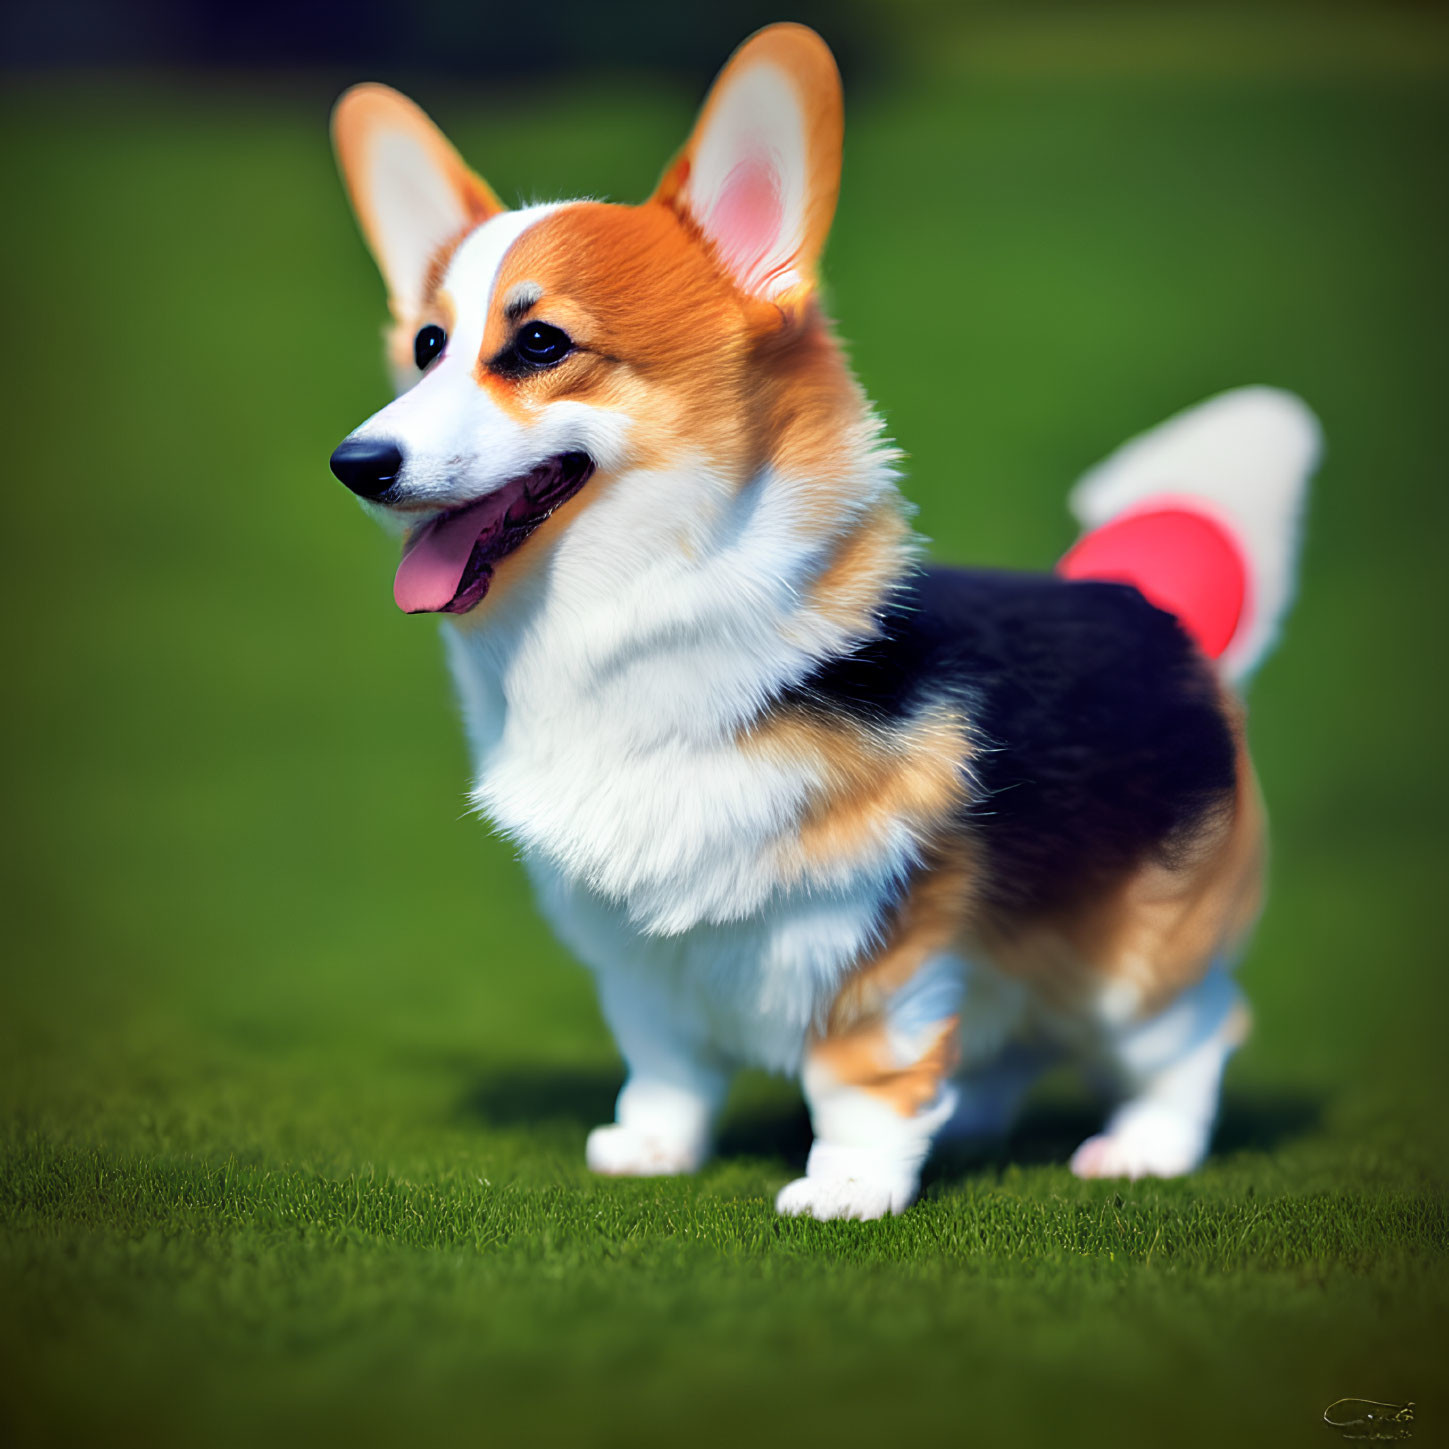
(428, 344)
(540, 345)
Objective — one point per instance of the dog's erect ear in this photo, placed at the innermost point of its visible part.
(410, 189)
(760, 174)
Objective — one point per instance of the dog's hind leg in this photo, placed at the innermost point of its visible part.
(1170, 1071)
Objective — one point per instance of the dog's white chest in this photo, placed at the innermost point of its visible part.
(657, 860)
(748, 991)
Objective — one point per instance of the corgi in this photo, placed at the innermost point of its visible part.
(797, 798)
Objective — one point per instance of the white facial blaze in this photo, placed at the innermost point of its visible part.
(457, 443)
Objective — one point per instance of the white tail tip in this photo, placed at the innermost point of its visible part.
(1246, 456)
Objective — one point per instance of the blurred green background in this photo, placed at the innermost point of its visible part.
(293, 1082)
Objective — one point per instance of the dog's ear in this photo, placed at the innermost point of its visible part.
(759, 176)
(410, 189)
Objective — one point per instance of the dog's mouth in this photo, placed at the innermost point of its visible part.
(447, 564)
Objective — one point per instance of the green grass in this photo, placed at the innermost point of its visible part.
(294, 1085)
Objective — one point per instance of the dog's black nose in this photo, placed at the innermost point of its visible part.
(369, 466)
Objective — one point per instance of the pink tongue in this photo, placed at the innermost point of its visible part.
(432, 567)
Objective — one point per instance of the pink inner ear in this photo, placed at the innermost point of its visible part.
(745, 221)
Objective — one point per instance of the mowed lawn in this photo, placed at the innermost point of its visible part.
(293, 1082)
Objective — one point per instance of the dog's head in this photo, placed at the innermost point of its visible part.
(559, 350)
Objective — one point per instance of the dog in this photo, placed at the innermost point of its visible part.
(798, 799)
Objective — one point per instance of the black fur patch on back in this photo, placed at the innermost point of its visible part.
(1100, 737)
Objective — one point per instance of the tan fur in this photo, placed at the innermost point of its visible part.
(814, 419)
(663, 339)
(866, 562)
(854, 1047)
(869, 780)
(621, 281)
(930, 920)
(1159, 928)
(861, 1057)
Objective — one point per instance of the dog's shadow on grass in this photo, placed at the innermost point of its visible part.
(533, 1096)
(770, 1120)
(1258, 1120)
(766, 1119)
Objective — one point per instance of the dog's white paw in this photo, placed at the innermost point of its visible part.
(617, 1151)
(1155, 1145)
(864, 1198)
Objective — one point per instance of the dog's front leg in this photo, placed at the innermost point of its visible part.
(665, 1115)
(878, 1086)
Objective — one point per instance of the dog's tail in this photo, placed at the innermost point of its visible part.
(1202, 515)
